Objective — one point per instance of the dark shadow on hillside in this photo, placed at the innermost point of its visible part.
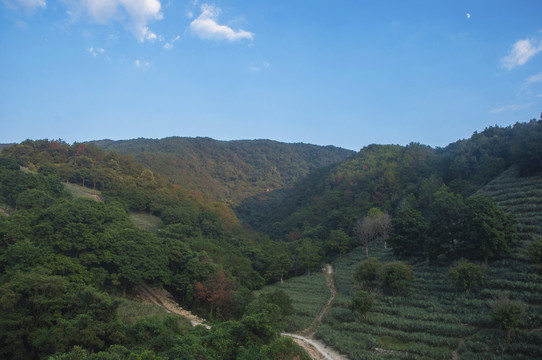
(256, 210)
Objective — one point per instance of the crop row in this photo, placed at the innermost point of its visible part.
(361, 327)
(488, 344)
(493, 294)
(413, 313)
(514, 198)
(410, 325)
(526, 286)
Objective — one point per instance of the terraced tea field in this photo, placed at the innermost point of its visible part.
(523, 198)
(432, 319)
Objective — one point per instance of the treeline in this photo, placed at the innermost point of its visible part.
(395, 178)
(228, 171)
(64, 260)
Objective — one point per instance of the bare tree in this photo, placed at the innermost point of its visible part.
(373, 226)
(365, 231)
(385, 227)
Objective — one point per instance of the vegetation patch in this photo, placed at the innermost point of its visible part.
(145, 221)
(78, 191)
(393, 344)
(132, 311)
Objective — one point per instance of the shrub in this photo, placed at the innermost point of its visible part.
(362, 303)
(467, 275)
(367, 271)
(507, 315)
(395, 276)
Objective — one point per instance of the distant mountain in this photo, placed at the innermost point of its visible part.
(229, 171)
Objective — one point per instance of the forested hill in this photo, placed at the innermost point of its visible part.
(65, 262)
(228, 171)
(5, 145)
(393, 177)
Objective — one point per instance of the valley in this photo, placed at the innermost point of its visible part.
(238, 232)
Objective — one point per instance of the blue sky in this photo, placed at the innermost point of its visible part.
(345, 73)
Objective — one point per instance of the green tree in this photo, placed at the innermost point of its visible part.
(362, 302)
(395, 276)
(446, 227)
(490, 231)
(339, 241)
(408, 236)
(34, 199)
(308, 254)
(367, 271)
(467, 275)
(281, 299)
(281, 263)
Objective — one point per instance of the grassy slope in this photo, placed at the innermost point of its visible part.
(433, 320)
(78, 191)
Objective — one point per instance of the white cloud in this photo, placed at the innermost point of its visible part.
(468, 15)
(257, 68)
(95, 51)
(141, 64)
(169, 45)
(533, 79)
(510, 108)
(135, 14)
(28, 5)
(206, 27)
(522, 51)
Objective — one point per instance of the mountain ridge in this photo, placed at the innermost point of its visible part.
(228, 171)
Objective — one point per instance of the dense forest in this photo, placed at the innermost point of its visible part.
(417, 185)
(228, 218)
(67, 261)
(228, 171)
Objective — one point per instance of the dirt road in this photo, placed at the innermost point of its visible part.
(316, 349)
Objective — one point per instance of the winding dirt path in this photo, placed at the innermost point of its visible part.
(317, 349)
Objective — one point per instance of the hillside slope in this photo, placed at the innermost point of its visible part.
(522, 197)
(228, 171)
(391, 177)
